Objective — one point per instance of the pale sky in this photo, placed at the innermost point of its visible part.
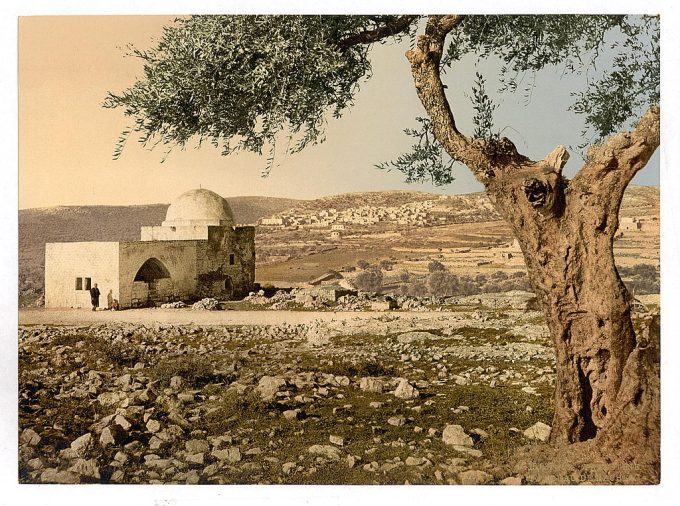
(66, 139)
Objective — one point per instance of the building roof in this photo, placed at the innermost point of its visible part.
(199, 206)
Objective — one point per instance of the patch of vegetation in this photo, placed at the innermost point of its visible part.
(195, 370)
(370, 280)
(233, 409)
(120, 353)
(362, 368)
(641, 278)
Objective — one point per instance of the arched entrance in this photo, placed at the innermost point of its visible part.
(153, 284)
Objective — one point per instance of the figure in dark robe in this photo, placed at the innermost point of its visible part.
(94, 296)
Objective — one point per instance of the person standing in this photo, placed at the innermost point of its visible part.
(94, 296)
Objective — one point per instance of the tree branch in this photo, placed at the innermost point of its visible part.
(483, 156)
(611, 166)
(395, 27)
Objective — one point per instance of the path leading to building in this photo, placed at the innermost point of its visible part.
(190, 317)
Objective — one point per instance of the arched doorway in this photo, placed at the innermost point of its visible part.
(153, 278)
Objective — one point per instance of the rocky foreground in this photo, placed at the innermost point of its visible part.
(380, 400)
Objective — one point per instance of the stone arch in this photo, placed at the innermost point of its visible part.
(151, 270)
(152, 284)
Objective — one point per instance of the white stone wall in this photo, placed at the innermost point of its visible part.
(178, 233)
(64, 262)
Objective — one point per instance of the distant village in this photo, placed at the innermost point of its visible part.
(419, 214)
(425, 213)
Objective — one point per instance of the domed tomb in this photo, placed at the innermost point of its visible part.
(199, 207)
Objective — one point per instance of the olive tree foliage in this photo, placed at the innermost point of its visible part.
(268, 83)
(246, 82)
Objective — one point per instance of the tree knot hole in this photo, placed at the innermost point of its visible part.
(537, 192)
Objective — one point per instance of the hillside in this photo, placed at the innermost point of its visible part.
(122, 223)
(346, 201)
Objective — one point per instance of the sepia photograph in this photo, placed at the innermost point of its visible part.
(340, 248)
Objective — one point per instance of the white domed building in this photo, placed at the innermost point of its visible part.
(196, 252)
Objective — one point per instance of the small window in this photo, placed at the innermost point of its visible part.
(79, 283)
(231, 259)
(88, 283)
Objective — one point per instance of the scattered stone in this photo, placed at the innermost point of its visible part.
(207, 304)
(371, 467)
(156, 443)
(122, 422)
(455, 435)
(480, 433)
(176, 382)
(326, 451)
(288, 467)
(405, 390)
(29, 437)
(53, 475)
(158, 463)
(120, 457)
(102, 423)
(229, 455)
(416, 461)
(539, 431)
(81, 445)
(196, 458)
(468, 451)
(197, 446)
(36, 463)
(193, 478)
(337, 440)
(112, 435)
(86, 468)
(512, 480)
(153, 426)
(369, 384)
(186, 397)
(474, 477)
(396, 421)
(269, 385)
(292, 414)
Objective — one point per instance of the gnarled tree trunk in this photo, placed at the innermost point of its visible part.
(607, 378)
(607, 389)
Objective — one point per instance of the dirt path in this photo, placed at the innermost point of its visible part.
(187, 316)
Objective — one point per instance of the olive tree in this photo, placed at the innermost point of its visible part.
(257, 83)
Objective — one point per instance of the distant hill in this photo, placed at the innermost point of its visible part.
(108, 223)
(122, 223)
(248, 210)
(376, 199)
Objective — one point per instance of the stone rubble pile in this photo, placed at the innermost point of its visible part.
(207, 304)
(173, 305)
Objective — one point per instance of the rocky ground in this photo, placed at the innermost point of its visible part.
(385, 399)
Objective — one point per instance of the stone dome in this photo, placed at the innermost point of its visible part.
(199, 207)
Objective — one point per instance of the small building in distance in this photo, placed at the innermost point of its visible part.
(630, 224)
(196, 252)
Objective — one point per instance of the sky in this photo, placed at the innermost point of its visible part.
(67, 64)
